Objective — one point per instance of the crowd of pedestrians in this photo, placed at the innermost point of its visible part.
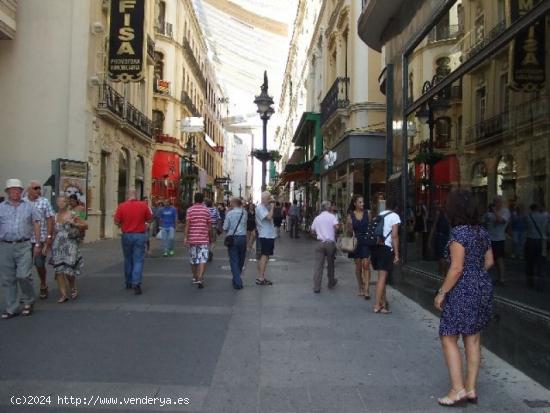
(30, 231)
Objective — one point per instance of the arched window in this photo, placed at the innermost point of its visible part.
(506, 177)
(123, 174)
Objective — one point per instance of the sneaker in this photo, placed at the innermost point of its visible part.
(195, 281)
(137, 290)
(171, 253)
(200, 285)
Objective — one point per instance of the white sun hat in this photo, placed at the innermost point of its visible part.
(13, 183)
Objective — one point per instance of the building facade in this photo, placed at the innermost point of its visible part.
(185, 86)
(67, 108)
(467, 85)
(332, 136)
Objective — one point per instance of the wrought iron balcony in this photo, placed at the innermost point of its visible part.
(516, 121)
(192, 60)
(151, 49)
(336, 98)
(166, 29)
(117, 108)
(186, 100)
(439, 34)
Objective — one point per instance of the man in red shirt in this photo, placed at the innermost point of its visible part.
(131, 216)
(197, 237)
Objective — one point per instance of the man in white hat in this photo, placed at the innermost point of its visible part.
(19, 222)
(47, 222)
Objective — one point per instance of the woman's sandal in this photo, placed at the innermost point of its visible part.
(460, 400)
(62, 300)
(27, 311)
(471, 396)
(7, 316)
(265, 281)
(43, 293)
(74, 294)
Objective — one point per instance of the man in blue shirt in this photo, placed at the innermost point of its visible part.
(266, 235)
(167, 216)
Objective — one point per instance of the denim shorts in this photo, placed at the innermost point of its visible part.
(198, 254)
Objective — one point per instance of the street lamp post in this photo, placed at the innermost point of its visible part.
(264, 102)
(190, 146)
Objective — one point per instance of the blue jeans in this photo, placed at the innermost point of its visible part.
(168, 237)
(133, 248)
(237, 255)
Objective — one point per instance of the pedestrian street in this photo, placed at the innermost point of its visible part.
(262, 349)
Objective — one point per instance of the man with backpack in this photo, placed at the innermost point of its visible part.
(386, 253)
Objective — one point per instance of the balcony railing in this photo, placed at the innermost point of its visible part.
(192, 60)
(520, 116)
(186, 100)
(336, 98)
(150, 48)
(166, 29)
(483, 41)
(439, 34)
(113, 102)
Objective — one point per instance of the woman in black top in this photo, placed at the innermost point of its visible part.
(251, 227)
(357, 222)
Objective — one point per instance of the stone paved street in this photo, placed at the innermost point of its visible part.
(277, 349)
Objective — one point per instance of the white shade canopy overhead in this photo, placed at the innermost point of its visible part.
(245, 38)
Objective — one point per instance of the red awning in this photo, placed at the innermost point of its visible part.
(447, 171)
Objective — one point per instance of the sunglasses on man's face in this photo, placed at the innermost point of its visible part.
(37, 188)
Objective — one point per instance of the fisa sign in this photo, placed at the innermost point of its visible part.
(126, 40)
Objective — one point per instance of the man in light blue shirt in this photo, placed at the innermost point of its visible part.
(235, 226)
(266, 235)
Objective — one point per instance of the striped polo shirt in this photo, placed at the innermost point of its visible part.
(199, 221)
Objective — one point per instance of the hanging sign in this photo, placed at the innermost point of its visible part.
(529, 57)
(126, 40)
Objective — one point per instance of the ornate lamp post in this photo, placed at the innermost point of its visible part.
(264, 102)
(192, 150)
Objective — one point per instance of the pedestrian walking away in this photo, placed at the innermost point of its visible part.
(198, 223)
(386, 254)
(324, 228)
(19, 222)
(66, 258)
(251, 227)
(167, 216)
(497, 220)
(266, 235)
(466, 296)
(358, 224)
(278, 218)
(34, 196)
(235, 228)
(214, 221)
(535, 248)
(132, 216)
(294, 217)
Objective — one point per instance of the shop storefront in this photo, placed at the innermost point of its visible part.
(166, 177)
(468, 84)
(356, 165)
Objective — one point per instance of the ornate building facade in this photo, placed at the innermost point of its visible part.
(332, 134)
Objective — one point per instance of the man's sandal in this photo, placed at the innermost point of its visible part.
(43, 293)
(7, 316)
(27, 311)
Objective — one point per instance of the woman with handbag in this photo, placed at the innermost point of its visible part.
(235, 226)
(358, 223)
(66, 257)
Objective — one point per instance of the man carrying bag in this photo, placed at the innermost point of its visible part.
(235, 224)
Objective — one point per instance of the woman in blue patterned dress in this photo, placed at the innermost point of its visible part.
(466, 296)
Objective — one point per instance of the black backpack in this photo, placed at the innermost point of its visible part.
(375, 231)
